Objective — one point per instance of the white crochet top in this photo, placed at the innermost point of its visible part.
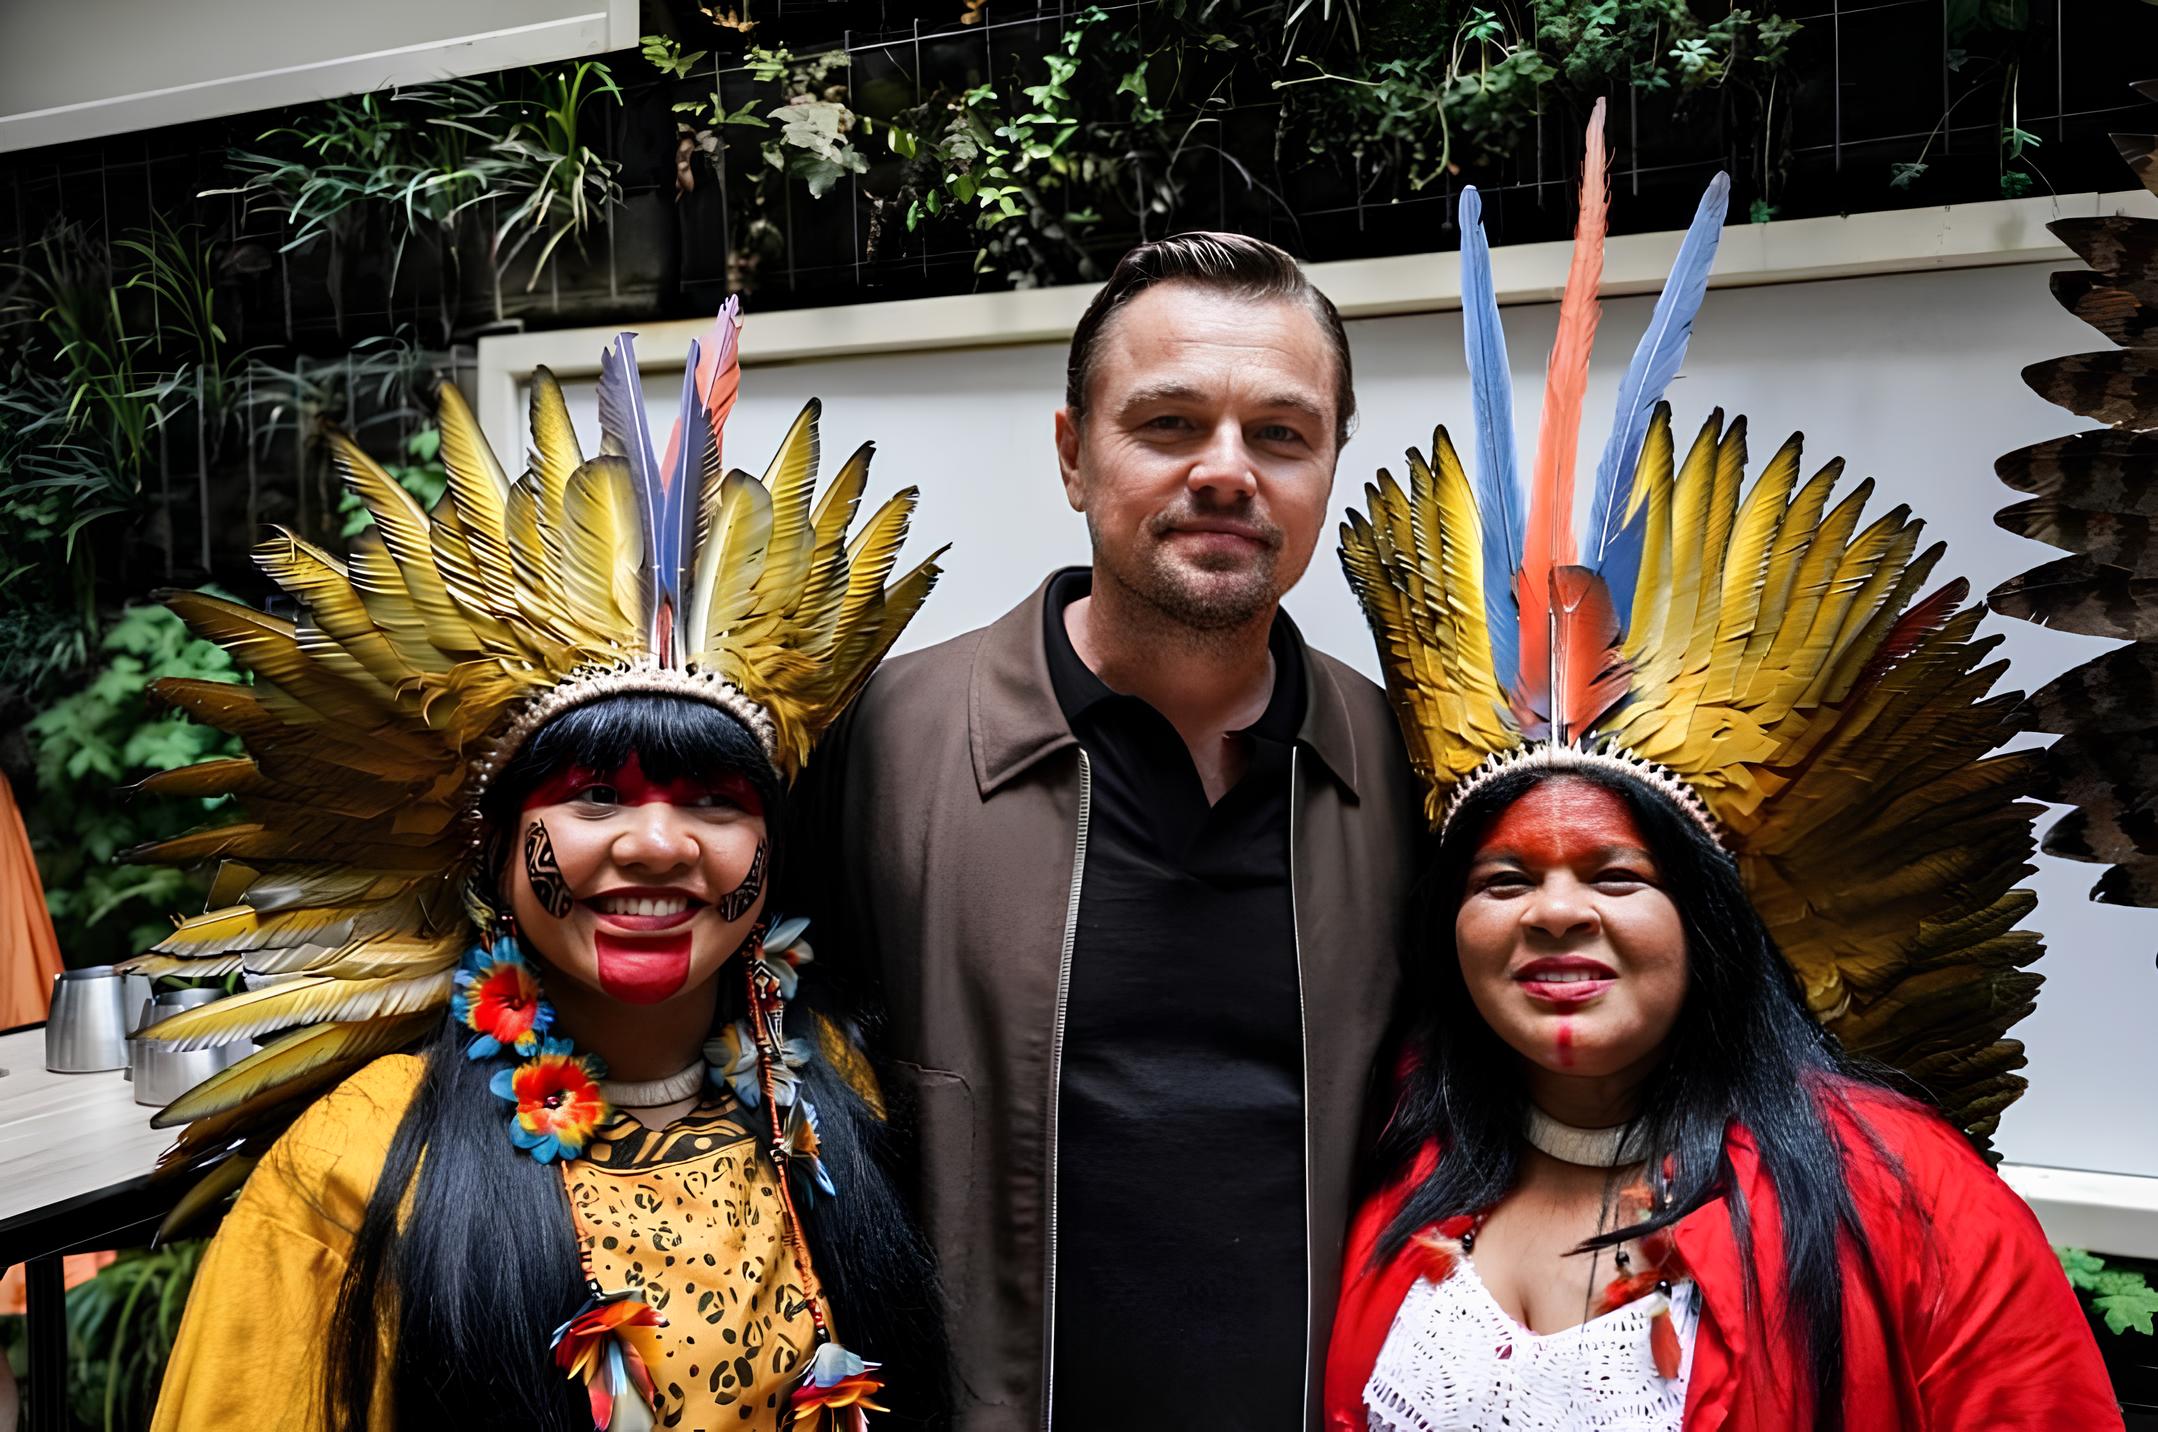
(1455, 1361)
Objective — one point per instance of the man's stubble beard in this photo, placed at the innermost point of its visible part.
(1211, 611)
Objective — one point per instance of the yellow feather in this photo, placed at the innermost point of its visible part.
(389, 603)
(790, 480)
(221, 1181)
(555, 457)
(307, 1000)
(1780, 573)
(730, 564)
(1744, 571)
(602, 551)
(405, 535)
(278, 1071)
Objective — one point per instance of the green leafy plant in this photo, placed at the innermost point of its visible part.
(90, 744)
(121, 1325)
(81, 411)
(2001, 27)
(558, 186)
(420, 158)
(2123, 1297)
(815, 142)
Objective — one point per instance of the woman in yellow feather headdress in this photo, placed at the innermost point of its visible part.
(539, 1134)
(1716, 813)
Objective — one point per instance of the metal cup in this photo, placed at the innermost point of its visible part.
(163, 1074)
(86, 1032)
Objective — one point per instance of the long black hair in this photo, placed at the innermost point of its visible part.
(482, 1266)
(1744, 1052)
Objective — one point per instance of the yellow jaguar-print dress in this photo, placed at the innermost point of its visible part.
(689, 1214)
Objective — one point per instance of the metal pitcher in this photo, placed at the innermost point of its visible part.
(163, 1074)
(86, 1032)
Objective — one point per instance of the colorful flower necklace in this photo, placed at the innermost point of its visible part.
(558, 1103)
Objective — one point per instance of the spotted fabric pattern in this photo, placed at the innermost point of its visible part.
(690, 1216)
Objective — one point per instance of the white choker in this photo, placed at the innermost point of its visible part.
(1591, 1148)
(654, 1093)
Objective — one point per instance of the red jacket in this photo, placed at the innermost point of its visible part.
(1974, 1324)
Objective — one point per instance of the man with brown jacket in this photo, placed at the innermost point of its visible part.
(1130, 866)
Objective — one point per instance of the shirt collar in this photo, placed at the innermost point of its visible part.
(1080, 693)
(1014, 720)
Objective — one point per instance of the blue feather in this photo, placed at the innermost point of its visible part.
(1614, 544)
(675, 534)
(1500, 502)
(626, 429)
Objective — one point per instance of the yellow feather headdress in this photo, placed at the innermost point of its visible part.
(1756, 654)
(418, 664)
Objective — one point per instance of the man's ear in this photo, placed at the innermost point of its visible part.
(1068, 459)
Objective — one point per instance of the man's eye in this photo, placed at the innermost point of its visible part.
(1280, 433)
(1169, 422)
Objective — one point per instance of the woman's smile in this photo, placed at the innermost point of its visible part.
(1565, 981)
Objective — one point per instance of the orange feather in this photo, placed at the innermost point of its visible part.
(1549, 541)
(1586, 669)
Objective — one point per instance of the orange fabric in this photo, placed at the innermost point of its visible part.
(1972, 1324)
(76, 1268)
(29, 950)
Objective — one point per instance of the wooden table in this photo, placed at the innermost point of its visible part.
(75, 1155)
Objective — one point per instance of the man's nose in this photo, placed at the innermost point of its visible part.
(1224, 470)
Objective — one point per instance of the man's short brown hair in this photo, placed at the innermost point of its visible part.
(1233, 264)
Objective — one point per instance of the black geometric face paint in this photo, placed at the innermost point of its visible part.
(548, 886)
(736, 902)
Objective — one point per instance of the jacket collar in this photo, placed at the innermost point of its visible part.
(1013, 720)
(1729, 1319)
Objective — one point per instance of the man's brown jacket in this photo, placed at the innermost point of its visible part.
(947, 819)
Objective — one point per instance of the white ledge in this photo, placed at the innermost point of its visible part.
(1999, 231)
(2113, 1213)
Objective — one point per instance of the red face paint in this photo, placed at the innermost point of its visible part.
(1562, 823)
(1565, 1044)
(1571, 826)
(642, 971)
(632, 787)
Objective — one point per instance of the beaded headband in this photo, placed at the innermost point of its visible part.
(1569, 756)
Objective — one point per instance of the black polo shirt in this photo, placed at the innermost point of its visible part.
(1180, 1256)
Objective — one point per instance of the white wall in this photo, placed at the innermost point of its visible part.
(72, 69)
(1913, 377)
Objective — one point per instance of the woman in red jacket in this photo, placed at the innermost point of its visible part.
(1716, 803)
(1637, 1187)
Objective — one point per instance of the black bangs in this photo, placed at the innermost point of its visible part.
(673, 737)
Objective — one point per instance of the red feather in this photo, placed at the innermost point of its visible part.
(1549, 540)
(1911, 630)
(719, 381)
(1663, 1344)
(1589, 674)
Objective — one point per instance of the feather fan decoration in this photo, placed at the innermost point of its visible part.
(2095, 496)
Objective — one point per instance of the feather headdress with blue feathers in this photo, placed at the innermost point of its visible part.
(1758, 656)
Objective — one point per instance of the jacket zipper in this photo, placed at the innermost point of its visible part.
(1056, 1087)
(1303, 1026)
